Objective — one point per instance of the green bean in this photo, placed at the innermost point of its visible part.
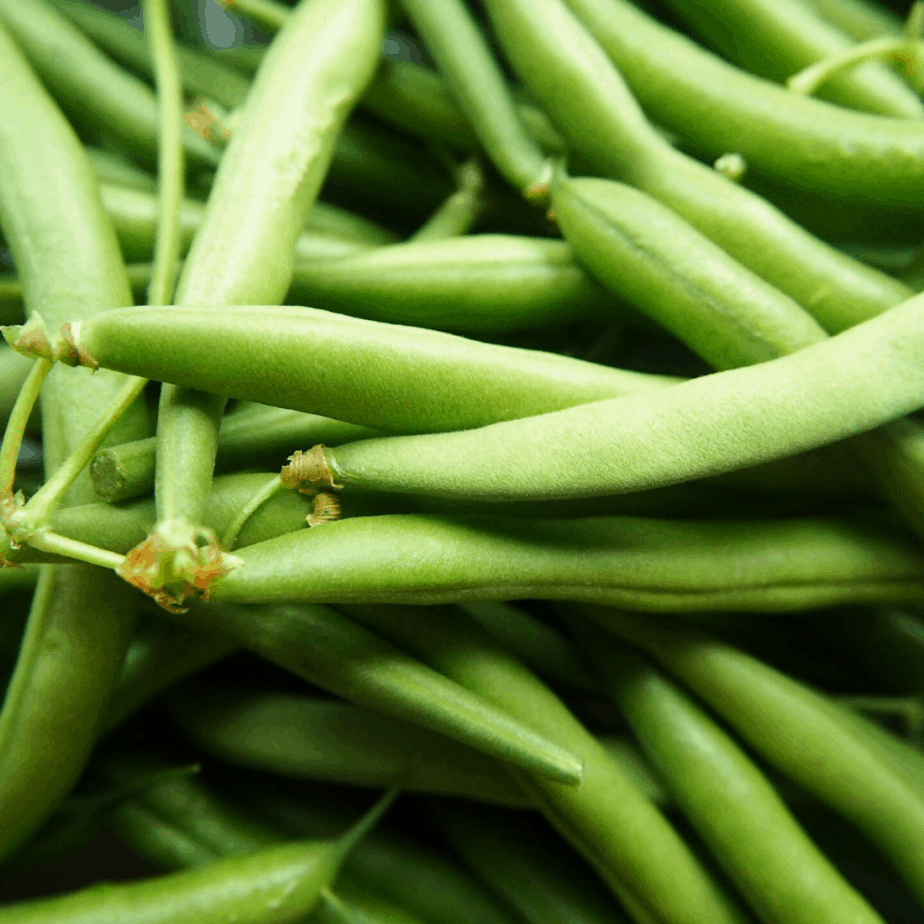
(80, 621)
(797, 730)
(777, 40)
(160, 654)
(246, 244)
(463, 56)
(203, 75)
(719, 108)
(733, 806)
(608, 820)
(415, 99)
(645, 253)
(859, 18)
(538, 645)
(419, 876)
(118, 171)
(653, 565)
(550, 49)
(486, 282)
(89, 83)
(327, 649)
(372, 165)
(460, 378)
(315, 739)
(657, 436)
(134, 214)
(516, 856)
(285, 881)
(260, 435)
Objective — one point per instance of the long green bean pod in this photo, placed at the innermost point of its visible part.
(608, 819)
(775, 40)
(80, 623)
(797, 730)
(91, 85)
(245, 247)
(739, 814)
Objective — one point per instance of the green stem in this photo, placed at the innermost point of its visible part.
(43, 502)
(268, 491)
(460, 211)
(264, 13)
(47, 541)
(170, 150)
(16, 425)
(807, 81)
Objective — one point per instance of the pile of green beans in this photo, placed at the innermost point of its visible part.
(524, 427)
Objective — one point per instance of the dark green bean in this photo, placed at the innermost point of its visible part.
(608, 819)
(475, 78)
(285, 881)
(519, 859)
(119, 171)
(654, 565)
(799, 731)
(736, 810)
(202, 74)
(81, 621)
(315, 739)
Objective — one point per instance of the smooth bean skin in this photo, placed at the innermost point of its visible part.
(782, 874)
(859, 18)
(374, 374)
(463, 56)
(477, 283)
(284, 881)
(550, 50)
(520, 859)
(81, 619)
(804, 142)
(797, 730)
(776, 40)
(421, 876)
(649, 565)
(643, 251)
(705, 426)
(91, 85)
(315, 739)
(608, 820)
(115, 170)
(323, 647)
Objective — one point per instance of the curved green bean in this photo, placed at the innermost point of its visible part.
(776, 40)
(81, 621)
(483, 282)
(797, 730)
(550, 49)
(736, 810)
(608, 819)
(316, 739)
(474, 76)
(91, 85)
(324, 647)
(374, 374)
